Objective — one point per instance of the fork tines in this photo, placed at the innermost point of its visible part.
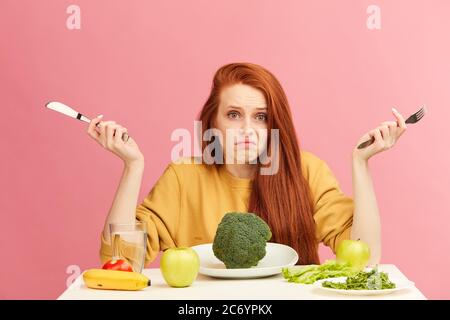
(417, 116)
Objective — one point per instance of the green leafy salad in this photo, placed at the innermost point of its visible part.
(370, 280)
(311, 273)
(356, 279)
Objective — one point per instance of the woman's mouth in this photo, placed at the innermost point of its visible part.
(246, 143)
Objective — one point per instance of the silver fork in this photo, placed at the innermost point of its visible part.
(415, 117)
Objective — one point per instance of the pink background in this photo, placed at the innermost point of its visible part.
(148, 65)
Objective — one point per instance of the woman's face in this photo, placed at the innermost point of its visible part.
(242, 118)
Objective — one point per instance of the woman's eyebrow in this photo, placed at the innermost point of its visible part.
(240, 108)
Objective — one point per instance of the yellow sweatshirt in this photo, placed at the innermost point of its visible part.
(188, 201)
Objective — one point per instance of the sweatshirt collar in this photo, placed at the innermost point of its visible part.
(232, 181)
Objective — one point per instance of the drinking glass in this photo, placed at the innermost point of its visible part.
(133, 240)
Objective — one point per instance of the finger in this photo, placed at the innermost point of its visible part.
(102, 127)
(384, 132)
(400, 119)
(394, 129)
(390, 123)
(110, 129)
(118, 135)
(379, 142)
(370, 134)
(397, 131)
(92, 125)
(97, 126)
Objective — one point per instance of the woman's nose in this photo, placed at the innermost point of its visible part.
(247, 130)
(247, 124)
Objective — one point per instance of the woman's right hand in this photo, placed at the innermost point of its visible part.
(109, 135)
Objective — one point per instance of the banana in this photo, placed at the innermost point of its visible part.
(115, 280)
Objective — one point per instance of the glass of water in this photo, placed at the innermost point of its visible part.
(129, 242)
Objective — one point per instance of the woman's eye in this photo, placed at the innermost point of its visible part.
(261, 117)
(233, 115)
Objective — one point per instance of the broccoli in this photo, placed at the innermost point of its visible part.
(240, 240)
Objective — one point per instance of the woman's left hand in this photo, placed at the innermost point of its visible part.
(386, 135)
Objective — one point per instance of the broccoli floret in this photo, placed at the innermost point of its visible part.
(240, 240)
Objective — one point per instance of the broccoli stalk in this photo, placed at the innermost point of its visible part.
(240, 240)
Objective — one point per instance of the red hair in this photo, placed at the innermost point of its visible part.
(283, 200)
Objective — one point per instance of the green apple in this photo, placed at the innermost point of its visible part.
(354, 252)
(179, 266)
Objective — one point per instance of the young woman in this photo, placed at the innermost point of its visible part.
(301, 202)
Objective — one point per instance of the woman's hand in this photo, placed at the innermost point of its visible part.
(386, 135)
(109, 135)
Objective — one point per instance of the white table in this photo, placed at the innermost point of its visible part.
(206, 288)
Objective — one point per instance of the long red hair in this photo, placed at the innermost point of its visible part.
(283, 200)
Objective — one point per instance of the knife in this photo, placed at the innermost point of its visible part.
(68, 111)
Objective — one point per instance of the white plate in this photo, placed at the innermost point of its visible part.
(400, 284)
(277, 257)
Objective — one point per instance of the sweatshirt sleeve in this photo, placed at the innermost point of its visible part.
(160, 211)
(333, 210)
